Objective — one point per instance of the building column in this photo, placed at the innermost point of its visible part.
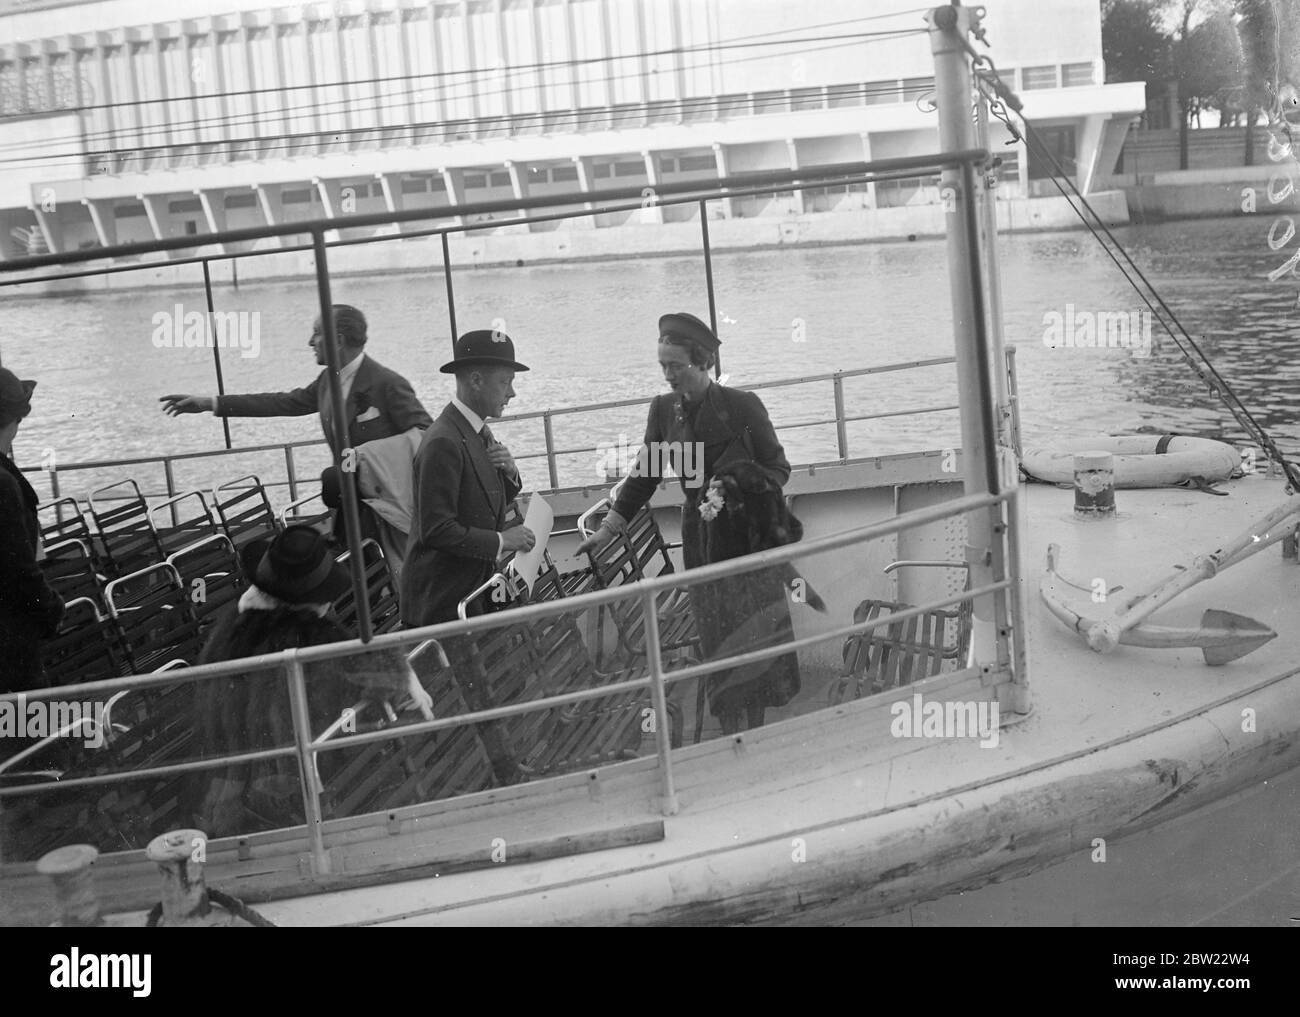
(394, 201)
(654, 212)
(868, 199)
(799, 207)
(214, 211)
(51, 228)
(720, 157)
(101, 217)
(454, 179)
(518, 184)
(268, 196)
(330, 192)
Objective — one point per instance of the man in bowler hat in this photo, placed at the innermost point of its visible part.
(465, 481)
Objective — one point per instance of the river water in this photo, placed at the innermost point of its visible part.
(588, 331)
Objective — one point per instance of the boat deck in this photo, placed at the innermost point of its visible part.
(1134, 727)
(825, 815)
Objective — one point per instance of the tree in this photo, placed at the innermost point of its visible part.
(1134, 44)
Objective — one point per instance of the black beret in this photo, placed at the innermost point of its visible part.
(686, 326)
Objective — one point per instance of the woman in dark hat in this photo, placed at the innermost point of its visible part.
(293, 581)
(703, 427)
(30, 610)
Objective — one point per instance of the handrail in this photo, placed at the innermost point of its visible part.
(534, 612)
(291, 663)
(551, 453)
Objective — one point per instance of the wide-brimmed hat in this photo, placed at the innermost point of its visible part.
(15, 395)
(686, 326)
(485, 347)
(296, 566)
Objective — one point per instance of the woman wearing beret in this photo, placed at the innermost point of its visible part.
(714, 426)
(29, 610)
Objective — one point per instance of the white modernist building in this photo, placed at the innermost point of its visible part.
(120, 127)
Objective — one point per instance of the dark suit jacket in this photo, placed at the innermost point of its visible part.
(460, 507)
(729, 423)
(29, 609)
(374, 386)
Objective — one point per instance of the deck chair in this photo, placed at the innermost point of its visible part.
(183, 520)
(125, 528)
(640, 553)
(62, 520)
(153, 610)
(902, 652)
(309, 511)
(88, 645)
(244, 510)
(71, 569)
(385, 612)
(211, 575)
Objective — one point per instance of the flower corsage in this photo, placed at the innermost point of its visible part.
(712, 503)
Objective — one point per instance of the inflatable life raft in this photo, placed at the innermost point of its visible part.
(1141, 460)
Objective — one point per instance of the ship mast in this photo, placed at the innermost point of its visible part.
(985, 551)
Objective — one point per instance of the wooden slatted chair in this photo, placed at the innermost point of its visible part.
(386, 775)
(385, 612)
(88, 645)
(901, 652)
(212, 577)
(309, 511)
(71, 570)
(183, 520)
(244, 510)
(641, 553)
(125, 528)
(64, 519)
(153, 610)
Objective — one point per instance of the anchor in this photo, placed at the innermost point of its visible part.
(1222, 635)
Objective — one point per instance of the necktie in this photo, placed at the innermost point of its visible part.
(486, 435)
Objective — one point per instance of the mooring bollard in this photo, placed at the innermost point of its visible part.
(72, 869)
(180, 855)
(1094, 485)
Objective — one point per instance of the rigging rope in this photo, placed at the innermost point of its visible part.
(1001, 97)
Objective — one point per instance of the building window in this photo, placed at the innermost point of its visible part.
(563, 174)
(501, 178)
(1038, 77)
(697, 164)
(915, 88)
(733, 106)
(303, 197)
(241, 201)
(838, 96)
(188, 205)
(1059, 141)
(667, 165)
(475, 181)
(881, 93)
(807, 98)
(629, 169)
(600, 170)
(771, 102)
(1076, 74)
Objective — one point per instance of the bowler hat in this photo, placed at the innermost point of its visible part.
(485, 347)
(686, 326)
(295, 566)
(15, 396)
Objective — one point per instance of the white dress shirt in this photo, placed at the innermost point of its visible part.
(348, 373)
